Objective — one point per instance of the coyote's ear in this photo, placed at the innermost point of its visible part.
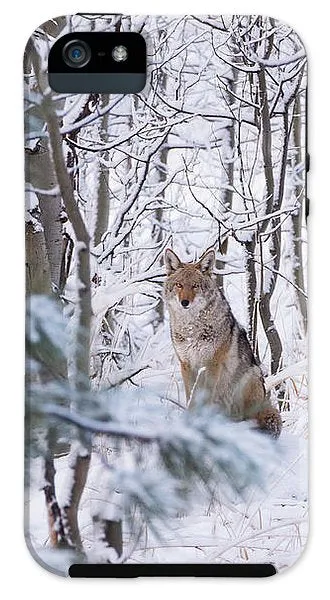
(172, 262)
(206, 263)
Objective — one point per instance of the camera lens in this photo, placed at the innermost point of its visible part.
(76, 53)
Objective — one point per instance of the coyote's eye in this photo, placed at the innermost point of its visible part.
(179, 285)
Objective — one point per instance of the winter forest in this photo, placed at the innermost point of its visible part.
(210, 154)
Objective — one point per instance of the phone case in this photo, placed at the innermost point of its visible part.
(166, 250)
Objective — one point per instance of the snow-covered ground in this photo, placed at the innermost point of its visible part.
(271, 526)
(268, 526)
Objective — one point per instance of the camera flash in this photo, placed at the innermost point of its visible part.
(119, 53)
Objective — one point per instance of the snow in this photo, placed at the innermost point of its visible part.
(271, 526)
(46, 320)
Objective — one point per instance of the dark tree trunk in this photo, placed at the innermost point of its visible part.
(103, 193)
(271, 332)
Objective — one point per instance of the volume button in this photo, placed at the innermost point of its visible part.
(307, 203)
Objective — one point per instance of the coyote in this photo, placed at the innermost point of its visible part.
(215, 356)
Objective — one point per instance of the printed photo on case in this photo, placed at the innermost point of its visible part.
(166, 302)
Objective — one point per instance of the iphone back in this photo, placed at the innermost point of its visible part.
(166, 295)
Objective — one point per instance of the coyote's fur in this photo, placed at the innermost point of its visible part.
(216, 359)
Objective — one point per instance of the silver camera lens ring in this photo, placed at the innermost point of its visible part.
(76, 54)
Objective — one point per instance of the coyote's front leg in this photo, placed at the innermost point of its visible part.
(188, 379)
(197, 383)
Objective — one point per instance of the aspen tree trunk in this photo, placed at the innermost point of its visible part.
(43, 252)
(80, 377)
(38, 280)
(227, 179)
(80, 459)
(40, 174)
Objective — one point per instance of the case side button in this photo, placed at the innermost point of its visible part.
(307, 203)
